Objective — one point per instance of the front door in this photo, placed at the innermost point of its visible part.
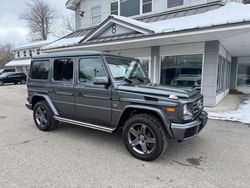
(92, 102)
(62, 87)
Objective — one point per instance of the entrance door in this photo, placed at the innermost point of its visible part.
(92, 102)
(62, 88)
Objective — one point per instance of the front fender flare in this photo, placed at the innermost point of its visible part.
(165, 121)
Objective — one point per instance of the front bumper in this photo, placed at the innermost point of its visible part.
(188, 130)
(29, 106)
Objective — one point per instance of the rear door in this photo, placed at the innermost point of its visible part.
(92, 102)
(62, 86)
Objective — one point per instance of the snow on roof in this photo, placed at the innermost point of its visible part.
(228, 14)
(64, 42)
(15, 63)
(35, 44)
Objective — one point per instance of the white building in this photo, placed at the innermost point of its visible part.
(200, 43)
(23, 55)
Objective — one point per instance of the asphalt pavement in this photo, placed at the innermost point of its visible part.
(73, 156)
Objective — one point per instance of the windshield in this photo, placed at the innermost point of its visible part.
(129, 69)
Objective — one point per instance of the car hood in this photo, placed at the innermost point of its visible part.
(158, 90)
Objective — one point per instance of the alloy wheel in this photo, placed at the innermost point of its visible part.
(141, 138)
(41, 117)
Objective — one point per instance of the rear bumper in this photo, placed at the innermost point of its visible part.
(29, 106)
(188, 130)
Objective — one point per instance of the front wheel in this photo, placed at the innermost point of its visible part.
(145, 137)
(43, 116)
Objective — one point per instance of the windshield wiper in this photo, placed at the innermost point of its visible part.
(123, 78)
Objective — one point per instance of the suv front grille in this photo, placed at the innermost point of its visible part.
(198, 106)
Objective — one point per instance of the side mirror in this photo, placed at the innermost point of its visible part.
(101, 80)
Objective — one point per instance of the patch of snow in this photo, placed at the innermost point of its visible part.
(36, 44)
(64, 42)
(244, 89)
(240, 115)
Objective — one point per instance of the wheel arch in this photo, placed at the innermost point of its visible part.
(37, 98)
(135, 109)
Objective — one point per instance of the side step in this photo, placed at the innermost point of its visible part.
(82, 124)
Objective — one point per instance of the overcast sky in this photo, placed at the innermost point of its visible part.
(12, 29)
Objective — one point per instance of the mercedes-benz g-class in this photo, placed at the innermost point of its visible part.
(107, 92)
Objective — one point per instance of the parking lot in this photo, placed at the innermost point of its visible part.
(74, 156)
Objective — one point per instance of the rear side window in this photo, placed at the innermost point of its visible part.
(63, 70)
(40, 70)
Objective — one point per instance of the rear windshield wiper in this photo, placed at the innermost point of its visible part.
(123, 78)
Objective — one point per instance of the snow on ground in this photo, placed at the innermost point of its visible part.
(242, 114)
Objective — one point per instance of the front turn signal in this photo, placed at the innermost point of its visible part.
(170, 109)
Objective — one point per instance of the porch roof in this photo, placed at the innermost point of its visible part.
(17, 62)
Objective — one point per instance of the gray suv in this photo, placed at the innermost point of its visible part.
(108, 92)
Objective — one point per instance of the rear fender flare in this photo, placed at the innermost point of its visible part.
(50, 103)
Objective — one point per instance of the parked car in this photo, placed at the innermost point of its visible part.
(106, 93)
(6, 70)
(12, 77)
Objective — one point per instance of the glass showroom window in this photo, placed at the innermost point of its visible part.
(223, 75)
(243, 79)
(182, 70)
(145, 62)
(96, 15)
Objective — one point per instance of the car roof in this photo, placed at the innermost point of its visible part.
(73, 54)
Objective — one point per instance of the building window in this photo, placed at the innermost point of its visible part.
(174, 3)
(182, 71)
(96, 15)
(30, 52)
(146, 6)
(24, 53)
(18, 54)
(114, 8)
(129, 7)
(40, 70)
(63, 70)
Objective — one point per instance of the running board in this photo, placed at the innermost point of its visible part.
(82, 124)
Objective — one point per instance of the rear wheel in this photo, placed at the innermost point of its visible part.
(22, 82)
(43, 116)
(144, 137)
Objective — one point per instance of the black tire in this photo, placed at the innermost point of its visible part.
(43, 116)
(150, 141)
(23, 82)
(16, 83)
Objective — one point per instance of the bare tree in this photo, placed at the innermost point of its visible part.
(39, 17)
(246, 1)
(69, 22)
(6, 53)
